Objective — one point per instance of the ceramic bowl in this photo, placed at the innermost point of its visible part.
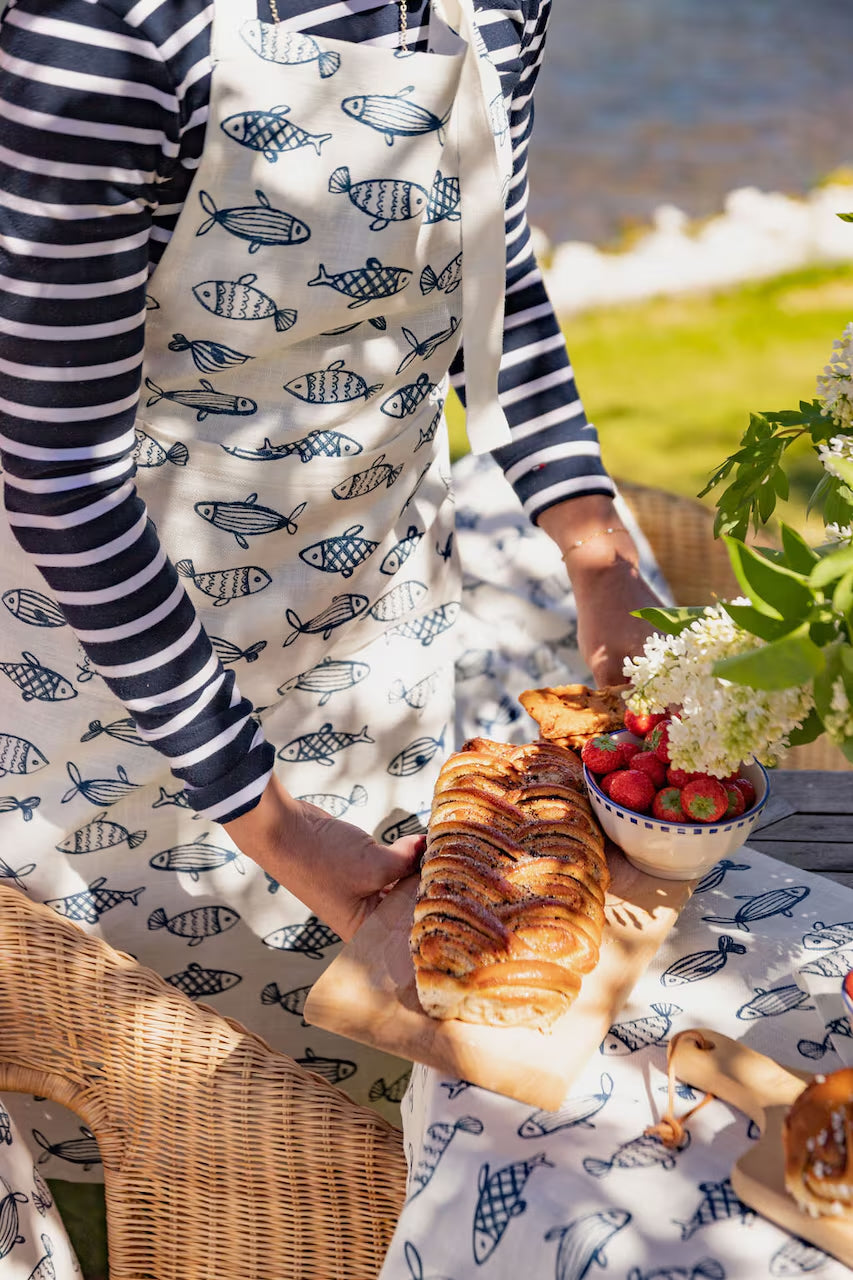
(674, 850)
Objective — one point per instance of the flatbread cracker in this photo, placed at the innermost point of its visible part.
(571, 714)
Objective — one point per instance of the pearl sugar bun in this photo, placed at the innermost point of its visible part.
(817, 1136)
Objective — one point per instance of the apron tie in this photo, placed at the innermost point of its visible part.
(483, 247)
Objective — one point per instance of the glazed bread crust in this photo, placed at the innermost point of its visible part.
(510, 908)
(572, 713)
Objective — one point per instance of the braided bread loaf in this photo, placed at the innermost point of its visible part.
(510, 908)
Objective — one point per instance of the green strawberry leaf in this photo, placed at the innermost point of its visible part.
(782, 664)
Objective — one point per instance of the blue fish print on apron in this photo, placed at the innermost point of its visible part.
(327, 355)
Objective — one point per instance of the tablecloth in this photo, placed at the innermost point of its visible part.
(498, 1190)
(33, 1241)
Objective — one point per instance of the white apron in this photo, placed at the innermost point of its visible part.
(293, 456)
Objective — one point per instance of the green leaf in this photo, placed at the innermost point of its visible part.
(780, 484)
(811, 728)
(717, 477)
(824, 680)
(757, 624)
(838, 504)
(766, 500)
(842, 597)
(824, 629)
(785, 417)
(847, 670)
(831, 567)
(845, 217)
(782, 664)
(670, 621)
(774, 590)
(735, 524)
(843, 467)
(798, 553)
(819, 493)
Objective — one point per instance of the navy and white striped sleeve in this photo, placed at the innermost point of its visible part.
(554, 453)
(77, 198)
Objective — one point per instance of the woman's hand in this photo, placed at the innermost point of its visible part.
(336, 869)
(601, 558)
(607, 633)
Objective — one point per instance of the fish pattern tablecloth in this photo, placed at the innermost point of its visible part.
(498, 1190)
(33, 1241)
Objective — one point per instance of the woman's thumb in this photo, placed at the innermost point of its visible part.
(408, 851)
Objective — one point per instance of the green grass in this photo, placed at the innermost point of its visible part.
(670, 382)
(83, 1211)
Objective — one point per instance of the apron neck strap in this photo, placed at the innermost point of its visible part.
(483, 239)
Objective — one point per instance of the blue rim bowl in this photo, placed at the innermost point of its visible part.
(675, 850)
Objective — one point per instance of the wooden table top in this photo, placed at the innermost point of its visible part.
(808, 822)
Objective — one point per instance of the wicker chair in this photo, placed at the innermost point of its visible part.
(696, 566)
(222, 1158)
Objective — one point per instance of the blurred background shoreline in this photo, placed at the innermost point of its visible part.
(645, 102)
(687, 165)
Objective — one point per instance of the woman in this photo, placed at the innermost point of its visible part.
(276, 503)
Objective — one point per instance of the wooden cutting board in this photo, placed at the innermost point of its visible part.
(368, 994)
(764, 1091)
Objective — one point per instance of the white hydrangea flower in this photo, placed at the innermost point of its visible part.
(838, 721)
(720, 724)
(839, 533)
(840, 447)
(835, 384)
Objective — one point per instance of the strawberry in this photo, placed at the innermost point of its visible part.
(606, 780)
(632, 789)
(603, 754)
(737, 801)
(704, 800)
(667, 805)
(744, 785)
(641, 723)
(680, 777)
(649, 763)
(657, 740)
(630, 749)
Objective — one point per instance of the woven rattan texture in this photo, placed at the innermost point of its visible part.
(222, 1158)
(681, 534)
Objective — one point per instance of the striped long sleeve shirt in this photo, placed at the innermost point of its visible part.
(104, 105)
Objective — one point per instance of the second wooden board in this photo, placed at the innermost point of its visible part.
(368, 994)
(764, 1091)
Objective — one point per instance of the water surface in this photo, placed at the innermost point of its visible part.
(645, 101)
